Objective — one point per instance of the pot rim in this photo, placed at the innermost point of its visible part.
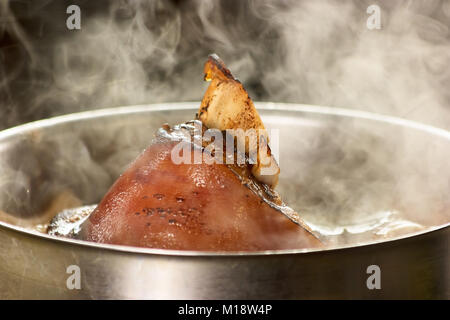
(341, 112)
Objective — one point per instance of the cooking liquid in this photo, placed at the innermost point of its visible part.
(381, 226)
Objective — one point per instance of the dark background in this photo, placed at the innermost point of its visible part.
(312, 52)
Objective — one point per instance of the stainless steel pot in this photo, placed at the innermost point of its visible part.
(348, 172)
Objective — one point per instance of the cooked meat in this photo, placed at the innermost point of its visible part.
(159, 203)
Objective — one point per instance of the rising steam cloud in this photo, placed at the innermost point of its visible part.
(310, 52)
(313, 52)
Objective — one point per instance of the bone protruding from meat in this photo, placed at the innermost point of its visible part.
(226, 105)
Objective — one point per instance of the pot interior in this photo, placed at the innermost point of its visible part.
(354, 177)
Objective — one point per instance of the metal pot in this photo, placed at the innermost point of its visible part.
(348, 172)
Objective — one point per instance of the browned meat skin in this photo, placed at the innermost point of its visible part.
(159, 204)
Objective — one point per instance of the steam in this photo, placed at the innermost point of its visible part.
(310, 52)
(133, 52)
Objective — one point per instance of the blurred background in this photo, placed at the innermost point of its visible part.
(310, 52)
